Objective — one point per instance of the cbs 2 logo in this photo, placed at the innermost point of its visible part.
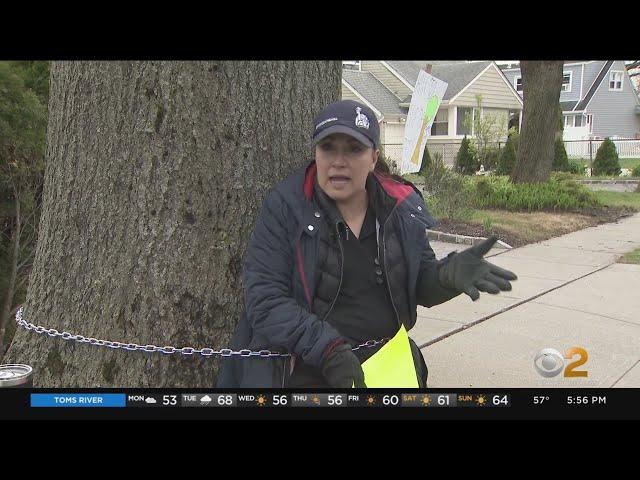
(549, 362)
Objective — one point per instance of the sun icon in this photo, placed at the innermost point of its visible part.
(315, 399)
(426, 400)
(481, 400)
(371, 400)
(261, 400)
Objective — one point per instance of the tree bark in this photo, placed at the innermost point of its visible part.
(541, 83)
(155, 174)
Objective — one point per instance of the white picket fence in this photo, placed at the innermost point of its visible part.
(576, 149)
(627, 148)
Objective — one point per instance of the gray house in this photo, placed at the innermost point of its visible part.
(387, 85)
(598, 99)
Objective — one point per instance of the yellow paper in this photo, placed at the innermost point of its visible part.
(392, 366)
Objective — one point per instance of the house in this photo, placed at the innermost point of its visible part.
(387, 86)
(364, 87)
(597, 98)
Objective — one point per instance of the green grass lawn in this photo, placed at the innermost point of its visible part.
(631, 257)
(619, 199)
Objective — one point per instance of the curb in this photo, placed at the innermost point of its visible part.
(461, 239)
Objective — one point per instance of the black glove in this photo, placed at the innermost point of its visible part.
(342, 369)
(468, 272)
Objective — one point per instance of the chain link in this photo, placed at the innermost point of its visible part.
(167, 350)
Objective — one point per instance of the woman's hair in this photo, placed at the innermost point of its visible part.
(383, 168)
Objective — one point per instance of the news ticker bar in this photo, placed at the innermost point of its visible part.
(269, 400)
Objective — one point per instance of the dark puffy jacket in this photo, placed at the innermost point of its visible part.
(281, 275)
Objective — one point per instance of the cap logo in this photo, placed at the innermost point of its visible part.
(361, 119)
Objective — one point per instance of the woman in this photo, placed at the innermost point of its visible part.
(338, 258)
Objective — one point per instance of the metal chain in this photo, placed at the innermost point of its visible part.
(168, 350)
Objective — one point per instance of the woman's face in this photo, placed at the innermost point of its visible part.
(343, 165)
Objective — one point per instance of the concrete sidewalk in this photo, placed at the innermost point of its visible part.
(569, 292)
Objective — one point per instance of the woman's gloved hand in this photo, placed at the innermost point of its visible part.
(468, 272)
(342, 369)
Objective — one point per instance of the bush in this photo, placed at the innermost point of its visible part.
(448, 194)
(606, 162)
(636, 171)
(507, 159)
(560, 158)
(577, 168)
(426, 161)
(466, 160)
(514, 136)
(558, 194)
(491, 159)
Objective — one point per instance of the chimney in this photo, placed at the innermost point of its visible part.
(427, 68)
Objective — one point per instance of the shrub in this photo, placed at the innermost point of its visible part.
(466, 160)
(606, 162)
(491, 159)
(560, 158)
(507, 159)
(448, 194)
(558, 194)
(577, 168)
(426, 161)
(514, 136)
(636, 171)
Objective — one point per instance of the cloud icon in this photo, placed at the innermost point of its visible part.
(150, 400)
(205, 399)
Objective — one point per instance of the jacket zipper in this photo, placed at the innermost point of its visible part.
(341, 272)
(384, 261)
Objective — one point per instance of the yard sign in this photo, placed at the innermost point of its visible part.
(426, 98)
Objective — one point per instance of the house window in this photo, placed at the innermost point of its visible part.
(440, 125)
(566, 81)
(466, 116)
(568, 121)
(517, 84)
(615, 81)
(578, 121)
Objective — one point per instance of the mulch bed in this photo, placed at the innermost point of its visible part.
(461, 227)
(471, 229)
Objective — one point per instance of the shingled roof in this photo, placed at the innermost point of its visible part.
(457, 74)
(373, 91)
(594, 86)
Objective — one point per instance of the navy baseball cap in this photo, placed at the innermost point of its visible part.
(351, 118)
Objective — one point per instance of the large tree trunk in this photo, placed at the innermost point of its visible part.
(155, 174)
(541, 83)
